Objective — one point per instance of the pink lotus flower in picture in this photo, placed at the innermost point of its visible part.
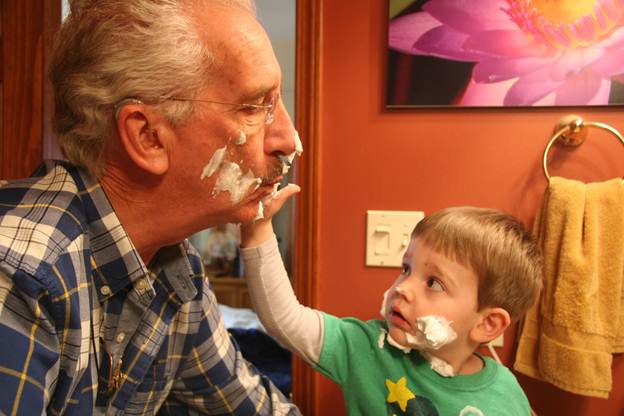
(523, 52)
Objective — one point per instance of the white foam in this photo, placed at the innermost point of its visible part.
(215, 162)
(431, 333)
(232, 180)
(241, 139)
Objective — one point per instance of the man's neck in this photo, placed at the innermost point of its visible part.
(142, 211)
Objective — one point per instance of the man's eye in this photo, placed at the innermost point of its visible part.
(251, 109)
(434, 284)
(406, 270)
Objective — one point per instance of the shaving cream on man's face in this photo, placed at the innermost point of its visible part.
(230, 177)
(287, 162)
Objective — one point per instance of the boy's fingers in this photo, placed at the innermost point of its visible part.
(287, 191)
(280, 198)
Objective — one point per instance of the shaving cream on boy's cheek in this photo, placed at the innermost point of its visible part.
(383, 309)
(438, 365)
(430, 333)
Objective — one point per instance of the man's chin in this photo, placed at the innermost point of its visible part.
(247, 213)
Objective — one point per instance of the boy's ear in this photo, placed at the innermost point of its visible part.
(142, 139)
(492, 323)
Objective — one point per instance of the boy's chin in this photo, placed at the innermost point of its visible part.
(398, 335)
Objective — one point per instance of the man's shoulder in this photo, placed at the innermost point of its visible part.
(53, 183)
(40, 217)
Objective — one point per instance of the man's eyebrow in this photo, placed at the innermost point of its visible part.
(259, 93)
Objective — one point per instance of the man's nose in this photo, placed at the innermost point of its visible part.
(280, 133)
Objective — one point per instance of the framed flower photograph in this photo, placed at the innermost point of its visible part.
(505, 53)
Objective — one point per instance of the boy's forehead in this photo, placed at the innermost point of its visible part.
(418, 245)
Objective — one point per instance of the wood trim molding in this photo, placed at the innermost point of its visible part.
(51, 24)
(22, 88)
(307, 104)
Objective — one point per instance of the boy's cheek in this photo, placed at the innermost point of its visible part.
(384, 303)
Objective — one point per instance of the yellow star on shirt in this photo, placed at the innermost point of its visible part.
(399, 393)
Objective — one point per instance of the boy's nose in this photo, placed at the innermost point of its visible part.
(280, 133)
(405, 292)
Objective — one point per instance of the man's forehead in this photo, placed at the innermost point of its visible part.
(219, 26)
(242, 54)
(249, 79)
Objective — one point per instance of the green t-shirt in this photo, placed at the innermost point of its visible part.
(383, 380)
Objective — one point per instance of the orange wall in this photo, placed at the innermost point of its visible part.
(372, 158)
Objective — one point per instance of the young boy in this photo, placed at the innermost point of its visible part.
(467, 274)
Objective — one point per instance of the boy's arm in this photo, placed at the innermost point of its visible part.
(298, 328)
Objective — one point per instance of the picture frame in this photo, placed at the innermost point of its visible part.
(500, 53)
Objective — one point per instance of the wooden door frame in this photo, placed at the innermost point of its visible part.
(307, 104)
(28, 28)
(52, 11)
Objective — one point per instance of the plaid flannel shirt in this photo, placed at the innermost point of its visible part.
(74, 293)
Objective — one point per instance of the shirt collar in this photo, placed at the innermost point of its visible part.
(115, 262)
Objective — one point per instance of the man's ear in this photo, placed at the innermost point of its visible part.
(142, 138)
(492, 323)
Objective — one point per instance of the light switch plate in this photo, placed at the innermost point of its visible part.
(388, 235)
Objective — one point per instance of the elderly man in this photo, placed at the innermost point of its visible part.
(170, 116)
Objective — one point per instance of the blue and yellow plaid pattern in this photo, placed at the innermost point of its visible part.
(67, 267)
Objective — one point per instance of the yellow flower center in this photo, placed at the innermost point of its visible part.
(563, 11)
(567, 24)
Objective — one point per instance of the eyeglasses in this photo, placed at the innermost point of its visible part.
(252, 115)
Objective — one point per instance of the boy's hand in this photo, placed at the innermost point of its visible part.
(259, 231)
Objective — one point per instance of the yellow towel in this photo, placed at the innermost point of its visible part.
(568, 337)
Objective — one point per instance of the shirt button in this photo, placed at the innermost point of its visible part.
(140, 286)
(105, 290)
(120, 337)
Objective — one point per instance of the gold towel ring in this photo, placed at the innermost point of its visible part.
(571, 130)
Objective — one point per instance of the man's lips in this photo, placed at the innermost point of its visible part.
(265, 189)
(271, 182)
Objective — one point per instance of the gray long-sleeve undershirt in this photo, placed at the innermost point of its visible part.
(297, 327)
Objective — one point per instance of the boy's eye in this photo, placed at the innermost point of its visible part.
(406, 270)
(434, 284)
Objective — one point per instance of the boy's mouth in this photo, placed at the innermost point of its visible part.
(397, 318)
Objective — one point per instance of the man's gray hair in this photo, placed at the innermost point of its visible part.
(108, 50)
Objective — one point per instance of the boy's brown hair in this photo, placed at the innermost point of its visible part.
(496, 246)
